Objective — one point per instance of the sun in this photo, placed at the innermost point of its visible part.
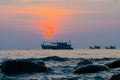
(49, 31)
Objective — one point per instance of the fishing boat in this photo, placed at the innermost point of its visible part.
(95, 47)
(111, 47)
(57, 45)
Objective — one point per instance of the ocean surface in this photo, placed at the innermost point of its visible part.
(62, 70)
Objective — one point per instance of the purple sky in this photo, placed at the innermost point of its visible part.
(24, 24)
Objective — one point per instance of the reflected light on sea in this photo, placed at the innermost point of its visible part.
(78, 53)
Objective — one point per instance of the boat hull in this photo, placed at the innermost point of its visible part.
(56, 47)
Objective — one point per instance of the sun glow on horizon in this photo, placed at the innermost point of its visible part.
(49, 31)
(50, 25)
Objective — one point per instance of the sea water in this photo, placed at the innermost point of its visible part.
(63, 70)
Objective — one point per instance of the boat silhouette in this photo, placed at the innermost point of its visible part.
(57, 45)
(110, 47)
(95, 47)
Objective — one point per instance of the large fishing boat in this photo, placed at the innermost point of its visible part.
(57, 45)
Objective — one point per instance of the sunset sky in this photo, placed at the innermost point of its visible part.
(24, 24)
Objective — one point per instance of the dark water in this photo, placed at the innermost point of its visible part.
(62, 68)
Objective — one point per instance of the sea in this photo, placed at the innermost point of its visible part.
(63, 70)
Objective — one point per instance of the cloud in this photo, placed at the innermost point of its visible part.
(8, 2)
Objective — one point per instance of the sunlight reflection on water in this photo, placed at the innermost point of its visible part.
(13, 54)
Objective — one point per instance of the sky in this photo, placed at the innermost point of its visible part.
(25, 24)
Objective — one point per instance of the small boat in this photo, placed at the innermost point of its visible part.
(57, 45)
(95, 47)
(111, 47)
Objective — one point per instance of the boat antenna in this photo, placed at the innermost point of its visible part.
(69, 41)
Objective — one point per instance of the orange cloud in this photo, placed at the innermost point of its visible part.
(26, 0)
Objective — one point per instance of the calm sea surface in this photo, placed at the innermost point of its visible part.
(63, 70)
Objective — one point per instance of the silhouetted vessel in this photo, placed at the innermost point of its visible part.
(111, 47)
(57, 45)
(95, 47)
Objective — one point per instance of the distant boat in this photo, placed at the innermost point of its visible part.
(57, 45)
(95, 47)
(111, 47)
